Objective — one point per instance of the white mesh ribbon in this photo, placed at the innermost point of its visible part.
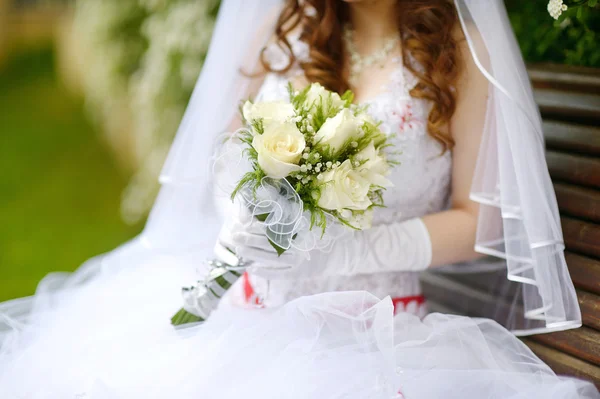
(518, 220)
(279, 205)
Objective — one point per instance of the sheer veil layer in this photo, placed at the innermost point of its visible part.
(518, 218)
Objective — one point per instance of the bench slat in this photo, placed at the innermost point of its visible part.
(584, 271)
(583, 203)
(582, 343)
(574, 169)
(564, 364)
(568, 137)
(590, 309)
(581, 237)
(570, 106)
(565, 77)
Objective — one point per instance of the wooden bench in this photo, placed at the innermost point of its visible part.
(569, 100)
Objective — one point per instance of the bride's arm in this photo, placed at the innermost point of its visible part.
(453, 232)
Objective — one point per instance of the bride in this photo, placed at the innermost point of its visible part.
(448, 84)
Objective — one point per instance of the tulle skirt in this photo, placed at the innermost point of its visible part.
(105, 334)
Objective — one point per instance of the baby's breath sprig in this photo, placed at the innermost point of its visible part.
(310, 194)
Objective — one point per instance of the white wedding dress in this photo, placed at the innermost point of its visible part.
(104, 332)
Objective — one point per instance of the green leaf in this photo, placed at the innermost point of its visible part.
(184, 317)
(263, 217)
(277, 248)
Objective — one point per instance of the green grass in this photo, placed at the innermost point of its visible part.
(59, 187)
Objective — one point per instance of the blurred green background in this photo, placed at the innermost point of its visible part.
(90, 97)
(60, 187)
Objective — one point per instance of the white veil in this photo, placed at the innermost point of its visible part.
(518, 219)
(185, 214)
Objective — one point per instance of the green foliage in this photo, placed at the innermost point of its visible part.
(59, 186)
(572, 39)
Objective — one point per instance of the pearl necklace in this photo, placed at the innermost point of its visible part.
(358, 62)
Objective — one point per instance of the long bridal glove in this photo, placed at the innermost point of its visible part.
(402, 246)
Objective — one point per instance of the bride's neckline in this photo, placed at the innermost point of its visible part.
(397, 76)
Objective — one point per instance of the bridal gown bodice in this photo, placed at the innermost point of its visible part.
(421, 181)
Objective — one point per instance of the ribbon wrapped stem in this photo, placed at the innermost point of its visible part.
(204, 297)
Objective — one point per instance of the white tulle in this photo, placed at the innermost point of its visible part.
(111, 339)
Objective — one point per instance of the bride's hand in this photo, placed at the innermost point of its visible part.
(245, 236)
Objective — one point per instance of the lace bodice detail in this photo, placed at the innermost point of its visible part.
(421, 181)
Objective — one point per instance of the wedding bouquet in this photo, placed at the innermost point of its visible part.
(314, 161)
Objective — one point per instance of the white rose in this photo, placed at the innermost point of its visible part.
(273, 111)
(279, 149)
(338, 131)
(344, 188)
(317, 94)
(373, 166)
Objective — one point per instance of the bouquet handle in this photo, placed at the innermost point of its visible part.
(201, 299)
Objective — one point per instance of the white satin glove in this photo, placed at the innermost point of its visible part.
(403, 246)
(245, 237)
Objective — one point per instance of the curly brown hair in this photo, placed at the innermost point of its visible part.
(429, 49)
